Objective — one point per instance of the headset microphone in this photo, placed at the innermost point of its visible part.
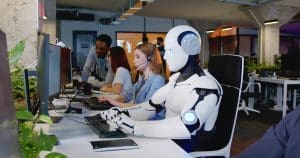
(142, 65)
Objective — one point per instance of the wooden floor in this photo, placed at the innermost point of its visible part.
(251, 127)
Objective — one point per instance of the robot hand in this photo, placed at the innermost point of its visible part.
(118, 119)
(110, 114)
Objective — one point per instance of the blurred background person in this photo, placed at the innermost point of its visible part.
(96, 63)
(122, 82)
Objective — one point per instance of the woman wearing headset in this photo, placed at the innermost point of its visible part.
(148, 63)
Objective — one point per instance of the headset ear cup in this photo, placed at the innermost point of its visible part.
(189, 42)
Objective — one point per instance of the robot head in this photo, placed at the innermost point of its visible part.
(180, 42)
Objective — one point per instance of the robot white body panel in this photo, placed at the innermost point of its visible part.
(180, 98)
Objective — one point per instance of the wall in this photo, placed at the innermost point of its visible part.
(49, 25)
(19, 21)
(133, 23)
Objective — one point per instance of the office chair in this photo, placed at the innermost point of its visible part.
(246, 94)
(228, 70)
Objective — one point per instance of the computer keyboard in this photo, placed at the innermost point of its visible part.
(93, 104)
(101, 128)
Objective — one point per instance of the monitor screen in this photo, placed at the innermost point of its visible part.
(54, 70)
(66, 67)
(43, 72)
(290, 62)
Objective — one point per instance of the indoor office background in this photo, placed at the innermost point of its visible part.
(226, 27)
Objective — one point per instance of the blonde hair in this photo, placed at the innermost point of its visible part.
(153, 56)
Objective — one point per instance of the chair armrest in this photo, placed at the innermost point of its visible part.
(250, 83)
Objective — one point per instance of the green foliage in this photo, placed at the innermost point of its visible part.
(55, 155)
(15, 54)
(31, 141)
(16, 73)
(253, 67)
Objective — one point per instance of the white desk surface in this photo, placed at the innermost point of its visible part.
(74, 141)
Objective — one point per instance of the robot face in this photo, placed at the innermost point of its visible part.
(175, 59)
(180, 42)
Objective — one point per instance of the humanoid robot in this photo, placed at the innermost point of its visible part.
(191, 97)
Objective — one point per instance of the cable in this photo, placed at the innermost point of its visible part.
(71, 117)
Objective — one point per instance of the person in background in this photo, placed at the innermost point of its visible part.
(160, 46)
(148, 63)
(280, 141)
(122, 82)
(96, 62)
(145, 39)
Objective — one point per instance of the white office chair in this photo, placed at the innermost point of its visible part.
(246, 94)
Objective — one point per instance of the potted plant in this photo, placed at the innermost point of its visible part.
(31, 142)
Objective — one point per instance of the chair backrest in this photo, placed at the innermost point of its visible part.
(228, 70)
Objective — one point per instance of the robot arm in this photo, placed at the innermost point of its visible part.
(147, 110)
(201, 110)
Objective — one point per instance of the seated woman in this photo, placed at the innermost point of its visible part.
(191, 97)
(148, 63)
(122, 83)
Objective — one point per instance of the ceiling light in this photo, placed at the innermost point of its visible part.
(269, 22)
(210, 31)
(150, 1)
(127, 14)
(45, 17)
(122, 18)
(226, 28)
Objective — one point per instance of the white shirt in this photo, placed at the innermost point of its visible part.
(122, 76)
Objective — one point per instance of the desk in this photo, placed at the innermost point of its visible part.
(281, 82)
(74, 141)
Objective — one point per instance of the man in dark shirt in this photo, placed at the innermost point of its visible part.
(280, 141)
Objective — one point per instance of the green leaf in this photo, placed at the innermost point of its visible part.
(46, 119)
(16, 53)
(46, 142)
(55, 155)
(24, 115)
(19, 107)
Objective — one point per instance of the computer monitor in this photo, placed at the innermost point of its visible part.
(48, 75)
(66, 67)
(43, 72)
(54, 71)
(290, 65)
(290, 62)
